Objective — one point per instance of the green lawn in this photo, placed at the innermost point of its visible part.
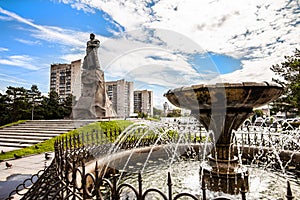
(14, 123)
(48, 145)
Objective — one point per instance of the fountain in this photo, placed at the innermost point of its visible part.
(90, 166)
(223, 108)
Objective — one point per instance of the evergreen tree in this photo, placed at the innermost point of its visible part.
(289, 72)
(51, 106)
(67, 106)
(175, 113)
(157, 112)
(20, 104)
(17, 103)
(34, 99)
(5, 115)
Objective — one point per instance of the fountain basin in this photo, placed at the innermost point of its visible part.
(236, 95)
(154, 164)
(123, 160)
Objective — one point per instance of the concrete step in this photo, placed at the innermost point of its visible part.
(14, 145)
(38, 128)
(39, 122)
(59, 121)
(56, 122)
(20, 141)
(33, 131)
(28, 134)
(43, 125)
(24, 137)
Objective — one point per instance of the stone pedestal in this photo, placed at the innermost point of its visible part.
(224, 175)
(222, 172)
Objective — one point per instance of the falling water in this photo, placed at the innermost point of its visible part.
(185, 173)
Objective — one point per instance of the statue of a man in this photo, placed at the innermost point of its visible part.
(93, 43)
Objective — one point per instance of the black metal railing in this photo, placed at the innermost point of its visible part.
(263, 136)
(68, 178)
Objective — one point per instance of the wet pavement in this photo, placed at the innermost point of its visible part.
(21, 169)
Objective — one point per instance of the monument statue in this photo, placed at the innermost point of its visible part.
(93, 102)
(92, 44)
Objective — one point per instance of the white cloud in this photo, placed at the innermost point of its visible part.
(23, 61)
(130, 14)
(50, 33)
(154, 52)
(28, 42)
(259, 33)
(5, 18)
(248, 31)
(84, 7)
(63, 1)
(75, 40)
(12, 80)
(3, 49)
(68, 58)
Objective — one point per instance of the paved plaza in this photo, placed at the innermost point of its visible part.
(21, 169)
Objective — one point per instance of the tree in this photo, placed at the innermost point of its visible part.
(67, 105)
(157, 112)
(5, 115)
(175, 113)
(20, 104)
(142, 115)
(34, 97)
(51, 106)
(289, 72)
(257, 113)
(17, 103)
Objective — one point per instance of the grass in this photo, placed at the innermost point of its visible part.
(13, 123)
(48, 145)
(153, 119)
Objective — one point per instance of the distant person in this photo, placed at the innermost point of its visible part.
(92, 44)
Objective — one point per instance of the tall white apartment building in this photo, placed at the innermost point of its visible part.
(143, 101)
(65, 79)
(120, 93)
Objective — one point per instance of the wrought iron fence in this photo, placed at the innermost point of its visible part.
(68, 178)
(287, 140)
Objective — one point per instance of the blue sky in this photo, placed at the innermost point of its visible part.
(158, 44)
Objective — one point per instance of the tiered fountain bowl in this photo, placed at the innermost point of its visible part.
(221, 108)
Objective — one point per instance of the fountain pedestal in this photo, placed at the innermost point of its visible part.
(222, 108)
(222, 171)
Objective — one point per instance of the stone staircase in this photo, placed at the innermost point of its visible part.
(35, 131)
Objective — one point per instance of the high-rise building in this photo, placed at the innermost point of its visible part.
(120, 93)
(65, 79)
(143, 101)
